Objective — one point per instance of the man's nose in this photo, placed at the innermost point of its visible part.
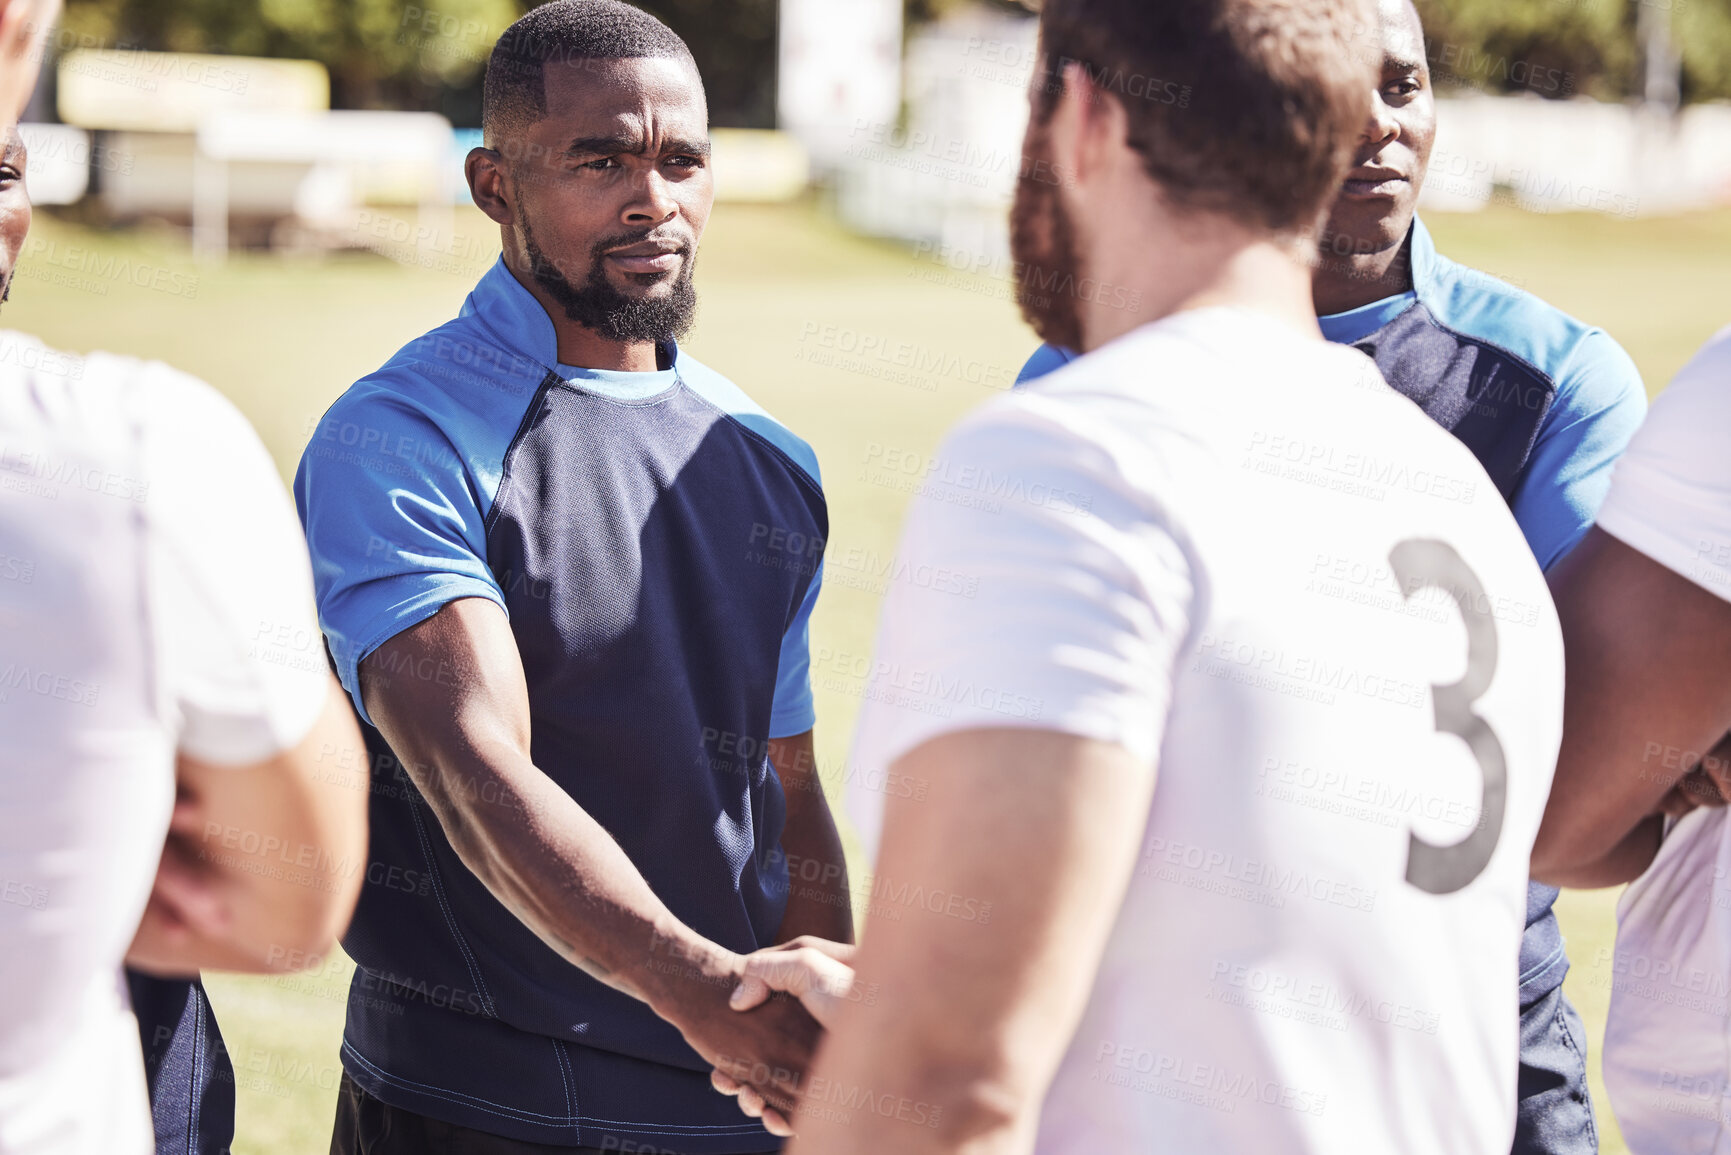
(655, 205)
(1382, 128)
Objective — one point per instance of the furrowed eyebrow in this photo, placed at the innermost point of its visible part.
(603, 145)
(613, 145)
(694, 147)
(1393, 63)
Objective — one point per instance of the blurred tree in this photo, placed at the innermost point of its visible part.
(1560, 48)
(391, 54)
(920, 11)
(734, 42)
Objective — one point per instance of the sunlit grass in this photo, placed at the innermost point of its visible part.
(856, 346)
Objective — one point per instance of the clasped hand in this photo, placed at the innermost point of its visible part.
(815, 971)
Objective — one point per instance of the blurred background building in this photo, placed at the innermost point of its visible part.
(284, 123)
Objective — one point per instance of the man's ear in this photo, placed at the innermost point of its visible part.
(485, 170)
(1084, 128)
(1093, 129)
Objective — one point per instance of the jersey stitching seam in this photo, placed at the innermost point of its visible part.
(536, 404)
(532, 1116)
(799, 470)
(1485, 343)
(565, 1078)
(450, 918)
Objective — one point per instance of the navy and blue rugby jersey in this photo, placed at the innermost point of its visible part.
(656, 541)
(1545, 402)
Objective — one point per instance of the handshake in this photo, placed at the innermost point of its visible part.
(760, 1040)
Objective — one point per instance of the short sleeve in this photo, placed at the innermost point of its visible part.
(394, 522)
(1671, 495)
(1035, 587)
(793, 711)
(242, 668)
(1600, 403)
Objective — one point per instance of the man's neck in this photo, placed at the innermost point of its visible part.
(1341, 284)
(582, 347)
(1206, 268)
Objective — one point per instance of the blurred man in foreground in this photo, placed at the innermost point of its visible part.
(567, 572)
(1159, 659)
(148, 560)
(1545, 402)
(1645, 604)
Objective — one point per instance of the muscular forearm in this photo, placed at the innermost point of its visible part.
(464, 738)
(559, 871)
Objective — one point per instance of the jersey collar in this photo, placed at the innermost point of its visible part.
(1425, 262)
(501, 303)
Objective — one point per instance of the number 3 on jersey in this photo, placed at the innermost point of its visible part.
(1417, 565)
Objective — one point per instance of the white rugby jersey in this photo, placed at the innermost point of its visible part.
(155, 598)
(1233, 550)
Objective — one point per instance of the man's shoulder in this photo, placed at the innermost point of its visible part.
(462, 361)
(720, 391)
(1510, 320)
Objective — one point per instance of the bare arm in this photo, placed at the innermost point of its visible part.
(973, 1016)
(818, 902)
(263, 863)
(463, 737)
(1649, 692)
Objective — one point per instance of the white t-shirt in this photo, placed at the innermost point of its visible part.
(1182, 544)
(1667, 1066)
(1671, 493)
(155, 597)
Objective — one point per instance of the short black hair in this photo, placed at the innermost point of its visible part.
(515, 91)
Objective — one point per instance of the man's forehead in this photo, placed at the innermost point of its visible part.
(1402, 33)
(613, 93)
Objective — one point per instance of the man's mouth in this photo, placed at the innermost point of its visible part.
(1367, 183)
(648, 257)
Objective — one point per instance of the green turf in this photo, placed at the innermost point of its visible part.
(865, 352)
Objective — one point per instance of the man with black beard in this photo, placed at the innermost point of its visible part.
(566, 572)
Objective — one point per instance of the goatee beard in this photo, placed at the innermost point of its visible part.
(598, 306)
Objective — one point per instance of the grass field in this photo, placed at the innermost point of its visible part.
(857, 346)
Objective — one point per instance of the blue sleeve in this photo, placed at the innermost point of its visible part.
(1600, 403)
(794, 712)
(393, 523)
(1045, 359)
